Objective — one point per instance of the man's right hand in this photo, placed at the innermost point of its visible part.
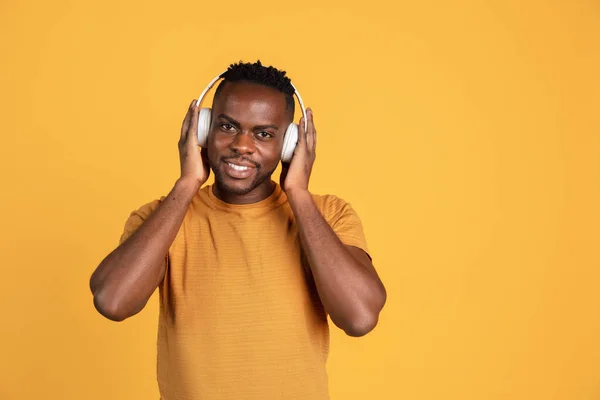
(193, 159)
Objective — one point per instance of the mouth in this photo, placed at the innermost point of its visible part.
(238, 169)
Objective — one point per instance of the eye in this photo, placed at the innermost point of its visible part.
(265, 135)
(227, 127)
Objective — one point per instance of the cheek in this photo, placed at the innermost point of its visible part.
(216, 144)
(271, 155)
(213, 152)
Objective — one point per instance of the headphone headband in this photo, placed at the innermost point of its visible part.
(215, 79)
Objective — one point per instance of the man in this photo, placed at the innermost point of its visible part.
(247, 269)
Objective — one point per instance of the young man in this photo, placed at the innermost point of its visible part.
(247, 269)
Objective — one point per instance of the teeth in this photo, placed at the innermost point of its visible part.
(238, 167)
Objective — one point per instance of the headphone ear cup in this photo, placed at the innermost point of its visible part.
(203, 126)
(289, 143)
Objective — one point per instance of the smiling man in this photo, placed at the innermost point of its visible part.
(248, 270)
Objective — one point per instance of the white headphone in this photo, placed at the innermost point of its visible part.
(289, 140)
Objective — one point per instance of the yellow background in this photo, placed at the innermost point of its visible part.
(466, 134)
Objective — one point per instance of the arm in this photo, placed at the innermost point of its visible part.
(346, 280)
(347, 283)
(127, 277)
(124, 281)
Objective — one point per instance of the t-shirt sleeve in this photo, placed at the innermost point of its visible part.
(137, 218)
(345, 222)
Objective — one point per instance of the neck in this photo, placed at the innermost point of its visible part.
(257, 194)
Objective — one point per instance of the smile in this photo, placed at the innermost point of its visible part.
(237, 171)
(238, 167)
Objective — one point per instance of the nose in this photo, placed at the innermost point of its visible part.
(243, 143)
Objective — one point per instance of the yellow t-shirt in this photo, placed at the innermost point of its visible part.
(240, 317)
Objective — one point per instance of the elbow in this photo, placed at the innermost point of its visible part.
(359, 327)
(109, 307)
(359, 324)
(365, 322)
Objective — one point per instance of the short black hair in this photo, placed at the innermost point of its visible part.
(262, 75)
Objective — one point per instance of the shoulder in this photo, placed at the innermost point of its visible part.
(138, 216)
(329, 200)
(143, 211)
(332, 206)
(343, 219)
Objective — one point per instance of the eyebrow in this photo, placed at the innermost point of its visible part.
(237, 124)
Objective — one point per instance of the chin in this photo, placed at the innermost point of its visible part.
(236, 188)
(239, 187)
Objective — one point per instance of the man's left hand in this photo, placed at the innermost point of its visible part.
(296, 174)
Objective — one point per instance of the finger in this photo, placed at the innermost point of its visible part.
(301, 133)
(187, 117)
(192, 135)
(186, 122)
(311, 132)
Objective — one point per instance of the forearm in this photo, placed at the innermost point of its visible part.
(127, 277)
(351, 293)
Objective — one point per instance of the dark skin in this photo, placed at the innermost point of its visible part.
(248, 125)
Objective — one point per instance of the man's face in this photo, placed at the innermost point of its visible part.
(246, 137)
